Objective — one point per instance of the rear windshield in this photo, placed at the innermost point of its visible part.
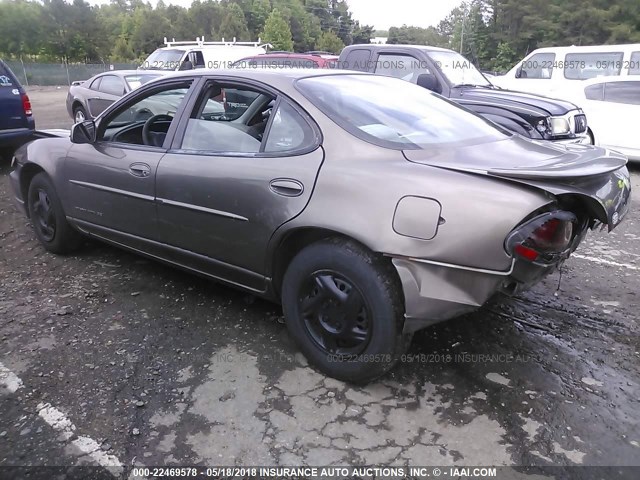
(163, 60)
(6, 79)
(135, 81)
(395, 114)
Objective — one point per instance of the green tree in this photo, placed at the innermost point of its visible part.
(277, 32)
(233, 24)
(330, 42)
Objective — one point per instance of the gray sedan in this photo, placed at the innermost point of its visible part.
(368, 216)
(90, 98)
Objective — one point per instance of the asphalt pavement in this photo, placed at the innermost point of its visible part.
(114, 360)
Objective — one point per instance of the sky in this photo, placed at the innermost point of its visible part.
(418, 13)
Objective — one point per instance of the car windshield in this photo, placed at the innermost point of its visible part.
(395, 114)
(459, 70)
(135, 81)
(163, 60)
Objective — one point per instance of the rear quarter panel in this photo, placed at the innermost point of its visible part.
(360, 185)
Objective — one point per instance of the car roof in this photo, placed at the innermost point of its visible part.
(301, 56)
(582, 48)
(396, 47)
(611, 79)
(262, 74)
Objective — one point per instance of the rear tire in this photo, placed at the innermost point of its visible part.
(48, 218)
(344, 307)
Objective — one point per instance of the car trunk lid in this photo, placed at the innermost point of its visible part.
(597, 176)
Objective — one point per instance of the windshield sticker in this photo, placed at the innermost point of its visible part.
(5, 81)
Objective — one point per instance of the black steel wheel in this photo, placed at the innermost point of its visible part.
(335, 313)
(48, 218)
(344, 307)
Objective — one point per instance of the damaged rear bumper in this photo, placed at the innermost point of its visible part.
(435, 292)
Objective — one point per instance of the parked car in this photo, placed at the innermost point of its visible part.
(450, 74)
(613, 107)
(16, 118)
(328, 195)
(187, 55)
(558, 70)
(90, 98)
(288, 60)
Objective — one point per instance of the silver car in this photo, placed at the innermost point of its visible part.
(368, 216)
(90, 98)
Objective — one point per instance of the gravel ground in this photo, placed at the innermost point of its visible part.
(157, 367)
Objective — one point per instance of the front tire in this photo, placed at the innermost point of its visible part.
(48, 218)
(344, 308)
(79, 115)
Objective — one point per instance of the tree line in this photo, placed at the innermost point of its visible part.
(494, 34)
(128, 30)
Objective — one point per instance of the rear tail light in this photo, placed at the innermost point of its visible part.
(26, 105)
(545, 238)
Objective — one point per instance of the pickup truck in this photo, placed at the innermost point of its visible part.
(453, 76)
(16, 119)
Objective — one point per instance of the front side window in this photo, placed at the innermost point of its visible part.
(112, 85)
(458, 70)
(634, 63)
(146, 120)
(404, 67)
(136, 81)
(582, 66)
(622, 92)
(409, 118)
(538, 66)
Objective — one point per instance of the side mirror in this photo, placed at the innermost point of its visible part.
(519, 72)
(84, 132)
(428, 81)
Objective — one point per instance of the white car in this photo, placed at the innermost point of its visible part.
(552, 71)
(612, 105)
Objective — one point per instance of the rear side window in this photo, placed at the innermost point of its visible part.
(112, 85)
(594, 92)
(95, 85)
(622, 92)
(6, 79)
(581, 66)
(357, 59)
(538, 66)
(405, 67)
(634, 63)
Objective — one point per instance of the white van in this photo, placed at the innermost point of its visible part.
(200, 54)
(552, 71)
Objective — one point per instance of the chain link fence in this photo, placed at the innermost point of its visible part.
(44, 74)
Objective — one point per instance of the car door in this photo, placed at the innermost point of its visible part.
(238, 172)
(111, 182)
(109, 90)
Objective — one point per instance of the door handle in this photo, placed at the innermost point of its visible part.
(140, 170)
(286, 187)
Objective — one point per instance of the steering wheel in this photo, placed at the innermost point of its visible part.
(150, 137)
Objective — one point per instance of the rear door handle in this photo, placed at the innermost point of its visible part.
(286, 187)
(140, 170)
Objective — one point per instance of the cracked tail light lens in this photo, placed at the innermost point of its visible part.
(544, 236)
